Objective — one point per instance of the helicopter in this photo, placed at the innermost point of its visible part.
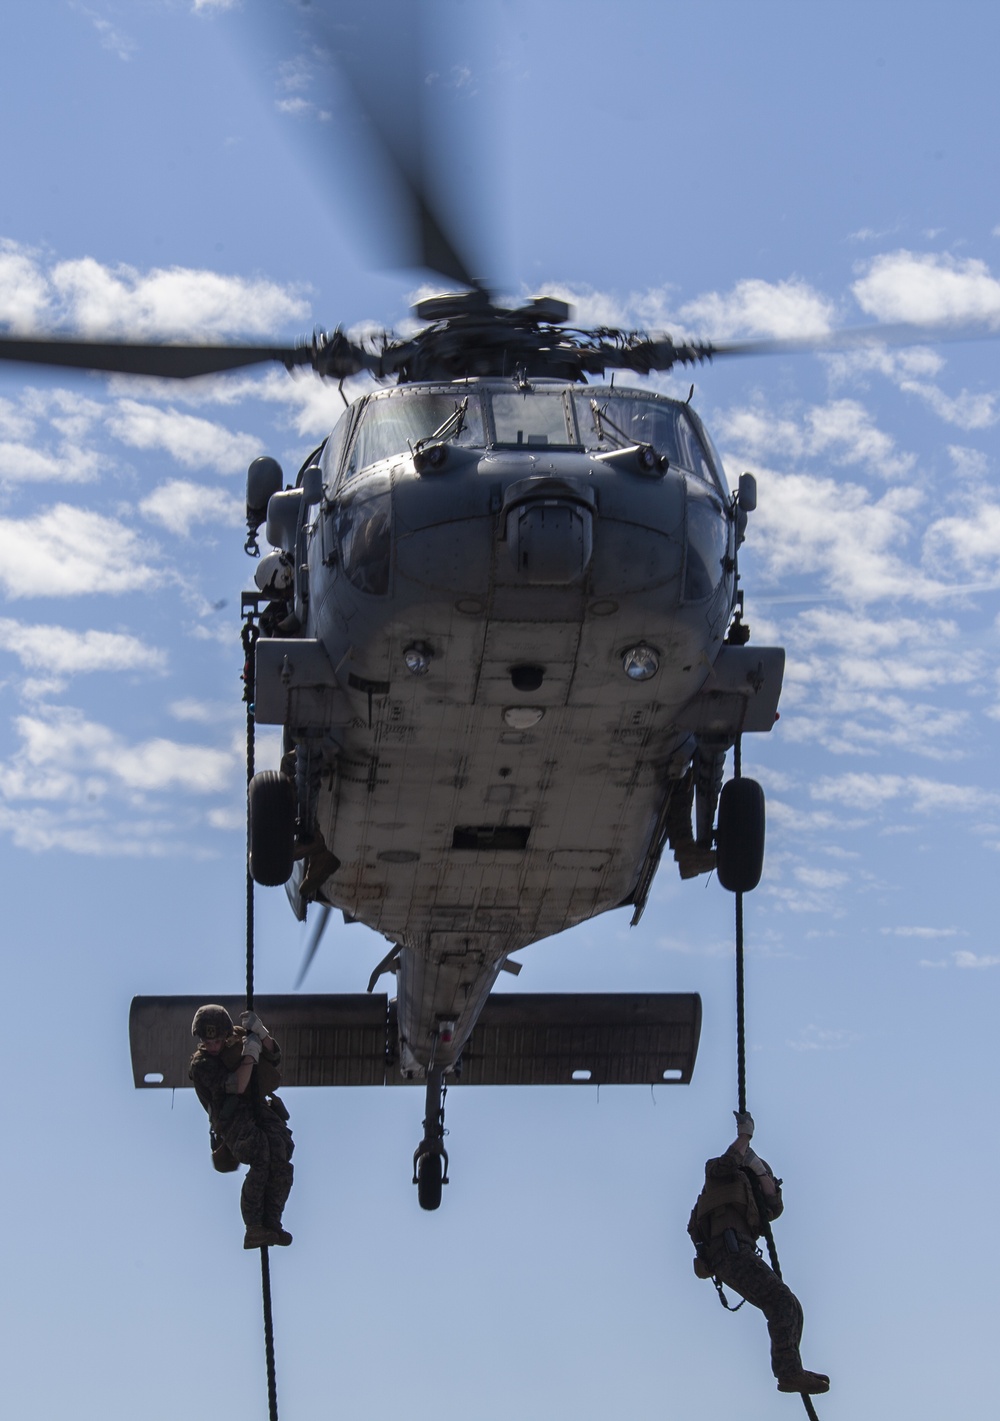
(503, 631)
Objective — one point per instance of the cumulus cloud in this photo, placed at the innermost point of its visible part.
(850, 542)
(910, 370)
(66, 652)
(25, 464)
(929, 289)
(66, 550)
(24, 292)
(59, 746)
(196, 443)
(93, 299)
(842, 431)
(869, 793)
(782, 309)
(178, 505)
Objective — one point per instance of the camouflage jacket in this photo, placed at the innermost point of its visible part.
(210, 1076)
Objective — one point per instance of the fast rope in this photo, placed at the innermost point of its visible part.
(741, 1089)
(249, 638)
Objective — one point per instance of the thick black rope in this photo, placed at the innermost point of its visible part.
(741, 1085)
(249, 668)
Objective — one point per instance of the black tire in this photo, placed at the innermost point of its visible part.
(272, 828)
(739, 839)
(430, 1173)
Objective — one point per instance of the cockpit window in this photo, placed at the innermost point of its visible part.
(609, 420)
(533, 417)
(391, 424)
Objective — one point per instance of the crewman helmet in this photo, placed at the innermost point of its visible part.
(273, 575)
(212, 1023)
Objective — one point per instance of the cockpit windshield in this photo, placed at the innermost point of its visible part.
(533, 417)
(391, 424)
(609, 420)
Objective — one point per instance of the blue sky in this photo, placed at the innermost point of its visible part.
(724, 170)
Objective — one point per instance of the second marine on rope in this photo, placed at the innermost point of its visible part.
(739, 1198)
(235, 1073)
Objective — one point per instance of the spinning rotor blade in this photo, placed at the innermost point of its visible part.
(174, 362)
(322, 918)
(364, 80)
(854, 338)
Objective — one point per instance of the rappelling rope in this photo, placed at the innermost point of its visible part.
(741, 1088)
(249, 638)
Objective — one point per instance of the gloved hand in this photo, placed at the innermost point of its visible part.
(251, 1047)
(253, 1024)
(744, 1123)
(754, 1162)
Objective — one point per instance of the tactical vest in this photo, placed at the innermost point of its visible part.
(727, 1194)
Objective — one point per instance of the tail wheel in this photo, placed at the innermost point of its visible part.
(272, 828)
(739, 839)
(430, 1173)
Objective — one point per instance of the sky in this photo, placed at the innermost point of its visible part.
(720, 170)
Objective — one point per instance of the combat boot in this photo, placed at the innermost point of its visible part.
(812, 1383)
(282, 1238)
(260, 1236)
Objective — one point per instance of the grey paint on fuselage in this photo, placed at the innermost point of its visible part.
(598, 565)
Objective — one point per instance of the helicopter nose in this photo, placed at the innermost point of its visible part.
(549, 527)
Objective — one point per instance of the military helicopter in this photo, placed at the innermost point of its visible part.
(502, 629)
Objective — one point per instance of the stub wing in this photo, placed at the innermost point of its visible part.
(521, 1038)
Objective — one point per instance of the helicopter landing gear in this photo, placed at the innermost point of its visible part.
(272, 828)
(430, 1161)
(739, 839)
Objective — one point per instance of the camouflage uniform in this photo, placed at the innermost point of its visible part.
(727, 1202)
(252, 1125)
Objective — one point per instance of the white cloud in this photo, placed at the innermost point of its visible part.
(820, 1038)
(920, 932)
(178, 505)
(112, 39)
(783, 309)
(195, 443)
(60, 744)
(22, 463)
(870, 793)
(820, 878)
(205, 712)
(929, 289)
(971, 542)
(64, 651)
(171, 303)
(848, 541)
(66, 550)
(842, 431)
(967, 959)
(24, 292)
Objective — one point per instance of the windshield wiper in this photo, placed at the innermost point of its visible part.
(649, 459)
(450, 429)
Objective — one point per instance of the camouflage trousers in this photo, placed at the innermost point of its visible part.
(747, 1274)
(266, 1146)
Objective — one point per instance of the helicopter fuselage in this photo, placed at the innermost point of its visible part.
(501, 665)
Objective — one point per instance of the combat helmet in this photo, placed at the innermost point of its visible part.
(212, 1023)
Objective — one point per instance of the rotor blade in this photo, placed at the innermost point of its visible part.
(174, 362)
(362, 78)
(854, 338)
(314, 941)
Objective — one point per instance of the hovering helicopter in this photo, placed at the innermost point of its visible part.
(502, 629)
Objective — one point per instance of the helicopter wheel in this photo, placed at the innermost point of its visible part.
(272, 828)
(739, 839)
(430, 1176)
